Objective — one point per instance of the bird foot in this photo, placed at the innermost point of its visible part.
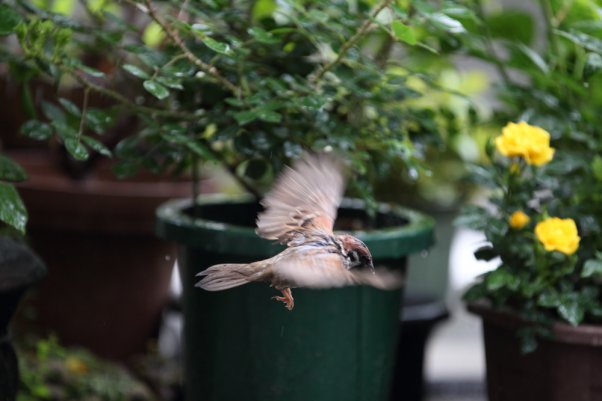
(287, 298)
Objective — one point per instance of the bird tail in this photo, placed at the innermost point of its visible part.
(226, 276)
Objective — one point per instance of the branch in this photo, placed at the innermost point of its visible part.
(127, 102)
(175, 38)
(361, 32)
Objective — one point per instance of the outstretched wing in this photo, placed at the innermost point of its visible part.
(303, 201)
(326, 270)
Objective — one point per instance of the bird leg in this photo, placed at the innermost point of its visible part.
(287, 298)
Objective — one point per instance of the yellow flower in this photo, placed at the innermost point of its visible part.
(527, 141)
(518, 220)
(558, 235)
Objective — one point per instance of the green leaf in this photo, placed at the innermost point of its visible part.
(36, 130)
(64, 130)
(500, 278)
(52, 112)
(218, 47)
(170, 82)
(70, 107)
(12, 209)
(98, 120)
(245, 117)
(549, 299)
(592, 267)
(11, 171)
(269, 116)
(96, 145)
(446, 23)
(403, 32)
(136, 71)
(76, 148)
(156, 89)
(582, 39)
(514, 25)
(534, 57)
(91, 71)
(263, 36)
(9, 19)
(264, 9)
(571, 310)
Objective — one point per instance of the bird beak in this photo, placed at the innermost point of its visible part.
(372, 267)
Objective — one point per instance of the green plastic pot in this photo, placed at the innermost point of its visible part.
(239, 344)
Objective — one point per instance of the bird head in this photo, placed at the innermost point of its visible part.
(357, 253)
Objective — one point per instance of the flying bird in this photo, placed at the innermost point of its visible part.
(300, 211)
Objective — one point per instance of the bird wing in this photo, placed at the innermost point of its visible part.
(303, 201)
(320, 269)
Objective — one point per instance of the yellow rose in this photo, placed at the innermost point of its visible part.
(527, 141)
(558, 235)
(518, 220)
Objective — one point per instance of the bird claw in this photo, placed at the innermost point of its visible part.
(287, 299)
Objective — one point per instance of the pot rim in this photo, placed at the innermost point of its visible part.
(583, 334)
(173, 224)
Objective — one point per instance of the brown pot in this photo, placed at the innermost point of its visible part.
(567, 367)
(108, 275)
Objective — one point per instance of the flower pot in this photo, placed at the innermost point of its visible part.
(566, 367)
(108, 274)
(336, 344)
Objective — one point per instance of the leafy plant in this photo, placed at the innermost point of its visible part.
(50, 371)
(555, 87)
(246, 84)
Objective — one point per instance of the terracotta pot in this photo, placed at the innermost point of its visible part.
(567, 367)
(109, 275)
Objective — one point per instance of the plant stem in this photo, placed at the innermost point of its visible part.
(177, 40)
(361, 32)
(127, 102)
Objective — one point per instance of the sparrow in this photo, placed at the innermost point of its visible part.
(299, 212)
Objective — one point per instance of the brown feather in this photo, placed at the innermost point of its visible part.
(312, 267)
(303, 201)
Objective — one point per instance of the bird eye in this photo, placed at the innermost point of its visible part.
(354, 258)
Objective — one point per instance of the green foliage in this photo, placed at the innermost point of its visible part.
(556, 87)
(243, 84)
(50, 371)
(9, 19)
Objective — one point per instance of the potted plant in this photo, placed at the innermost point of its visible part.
(541, 306)
(250, 86)
(94, 232)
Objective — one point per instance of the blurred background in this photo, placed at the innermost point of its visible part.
(112, 109)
